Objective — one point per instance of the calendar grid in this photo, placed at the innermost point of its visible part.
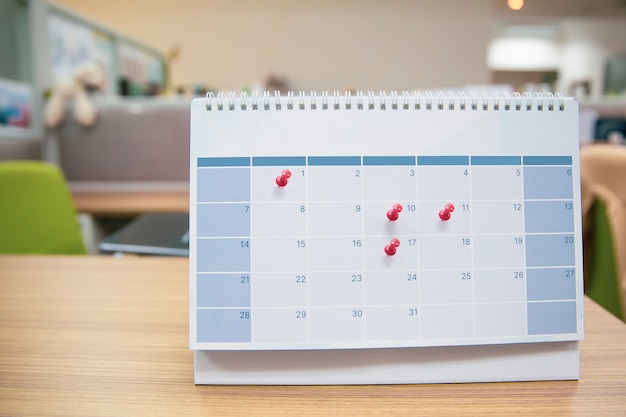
(275, 235)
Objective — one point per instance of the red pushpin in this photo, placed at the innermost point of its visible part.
(390, 249)
(446, 213)
(283, 178)
(393, 214)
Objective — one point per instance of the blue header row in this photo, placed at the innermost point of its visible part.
(382, 160)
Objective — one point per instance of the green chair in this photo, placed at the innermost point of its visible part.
(37, 214)
(601, 263)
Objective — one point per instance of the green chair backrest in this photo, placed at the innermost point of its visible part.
(602, 280)
(37, 214)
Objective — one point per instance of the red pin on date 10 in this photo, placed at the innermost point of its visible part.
(283, 178)
(446, 213)
(394, 213)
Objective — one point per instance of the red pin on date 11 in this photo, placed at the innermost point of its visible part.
(446, 213)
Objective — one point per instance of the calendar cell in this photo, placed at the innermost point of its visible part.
(336, 254)
(376, 222)
(223, 290)
(497, 178)
(549, 216)
(498, 251)
(223, 255)
(451, 321)
(499, 285)
(396, 322)
(430, 222)
(348, 323)
(552, 317)
(265, 189)
(548, 183)
(335, 219)
(274, 289)
(284, 325)
(499, 320)
(406, 256)
(445, 183)
(389, 178)
(224, 325)
(450, 252)
(551, 284)
(391, 287)
(445, 286)
(498, 217)
(223, 220)
(336, 288)
(550, 250)
(279, 254)
(334, 178)
(218, 185)
(286, 219)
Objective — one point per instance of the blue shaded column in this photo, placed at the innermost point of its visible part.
(223, 250)
(550, 244)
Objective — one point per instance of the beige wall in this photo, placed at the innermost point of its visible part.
(315, 44)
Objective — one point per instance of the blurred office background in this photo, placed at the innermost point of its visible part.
(154, 55)
(376, 45)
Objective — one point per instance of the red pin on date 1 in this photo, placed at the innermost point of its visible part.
(283, 178)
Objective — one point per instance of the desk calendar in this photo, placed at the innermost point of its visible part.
(384, 239)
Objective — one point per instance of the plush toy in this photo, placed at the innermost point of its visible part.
(87, 76)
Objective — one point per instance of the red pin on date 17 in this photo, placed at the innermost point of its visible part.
(390, 249)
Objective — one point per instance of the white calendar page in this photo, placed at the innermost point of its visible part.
(378, 222)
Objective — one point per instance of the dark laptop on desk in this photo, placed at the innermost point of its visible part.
(152, 234)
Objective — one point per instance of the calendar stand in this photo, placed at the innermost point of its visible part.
(523, 362)
(384, 239)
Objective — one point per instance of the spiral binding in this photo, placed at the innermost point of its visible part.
(404, 101)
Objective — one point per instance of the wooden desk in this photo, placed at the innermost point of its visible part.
(84, 336)
(130, 202)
